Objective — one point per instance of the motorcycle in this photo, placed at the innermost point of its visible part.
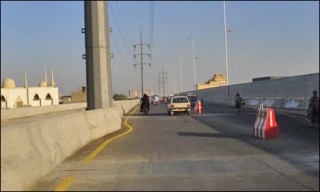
(313, 116)
(241, 107)
(145, 110)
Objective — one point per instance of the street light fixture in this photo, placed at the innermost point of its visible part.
(194, 63)
(181, 88)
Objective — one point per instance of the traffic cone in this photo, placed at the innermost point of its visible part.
(259, 122)
(271, 129)
(198, 107)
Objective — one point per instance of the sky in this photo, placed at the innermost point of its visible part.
(269, 38)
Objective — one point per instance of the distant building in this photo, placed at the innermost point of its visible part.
(16, 97)
(65, 99)
(137, 93)
(76, 96)
(79, 96)
(267, 78)
(216, 81)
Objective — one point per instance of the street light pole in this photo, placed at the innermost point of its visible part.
(197, 63)
(173, 79)
(225, 45)
(181, 88)
(194, 64)
(196, 79)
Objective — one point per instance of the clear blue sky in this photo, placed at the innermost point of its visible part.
(269, 39)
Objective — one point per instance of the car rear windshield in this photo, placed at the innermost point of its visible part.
(180, 100)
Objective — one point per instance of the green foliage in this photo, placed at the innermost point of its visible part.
(117, 97)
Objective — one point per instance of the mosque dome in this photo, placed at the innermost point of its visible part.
(8, 83)
(43, 84)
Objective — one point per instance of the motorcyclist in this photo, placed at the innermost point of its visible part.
(238, 100)
(144, 101)
(314, 107)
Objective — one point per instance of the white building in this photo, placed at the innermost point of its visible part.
(15, 97)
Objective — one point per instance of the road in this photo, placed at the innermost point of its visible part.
(212, 151)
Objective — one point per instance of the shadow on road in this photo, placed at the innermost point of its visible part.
(296, 144)
(149, 114)
(216, 135)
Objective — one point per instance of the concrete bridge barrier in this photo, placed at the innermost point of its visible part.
(289, 92)
(126, 105)
(31, 150)
(286, 103)
(31, 111)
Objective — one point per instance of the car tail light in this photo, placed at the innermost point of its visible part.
(172, 106)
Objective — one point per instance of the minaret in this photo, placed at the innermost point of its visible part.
(53, 84)
(25, 80)
(26, 86)
(45, 76)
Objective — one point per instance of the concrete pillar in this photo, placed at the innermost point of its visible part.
(98, 65)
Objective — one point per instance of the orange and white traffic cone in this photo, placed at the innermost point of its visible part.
(259, 118)
(198, 107)
(271, 129)
(259, 124)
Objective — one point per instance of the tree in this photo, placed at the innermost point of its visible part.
(117, 97)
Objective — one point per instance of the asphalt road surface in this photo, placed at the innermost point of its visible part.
(211, 151)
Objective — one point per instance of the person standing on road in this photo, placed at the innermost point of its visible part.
(156, 100)
(238, 100)
(314, 107)
(144, 102)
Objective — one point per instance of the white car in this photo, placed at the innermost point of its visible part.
(179, 104)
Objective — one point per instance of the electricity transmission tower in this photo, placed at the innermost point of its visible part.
(163, 78)
(159, 84)
(141, 59)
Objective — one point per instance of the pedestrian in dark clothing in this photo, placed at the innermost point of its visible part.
(314, 107)
(144, 102)
(238, 100)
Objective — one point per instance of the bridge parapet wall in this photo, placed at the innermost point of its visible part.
(31, 111)
(290, 92)
(31, 150)
(287, 103)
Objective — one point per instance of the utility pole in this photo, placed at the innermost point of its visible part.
(141, 59)
(98, 62)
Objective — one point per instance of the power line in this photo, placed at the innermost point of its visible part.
(124, 26)
(120, 31)
(138, 16)
(114, 42)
